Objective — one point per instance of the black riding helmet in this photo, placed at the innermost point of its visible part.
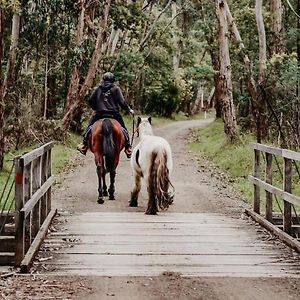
(108, 76)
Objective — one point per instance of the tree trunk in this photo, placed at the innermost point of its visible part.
(297, 104)
(261, 121)
(10, 73)
(198, 104)
(277, 26)
(230, 125)
(176, 48)
(75, 76)
(78, 101)
(1, 92)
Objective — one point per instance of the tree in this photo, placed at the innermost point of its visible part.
(261, 121)
(78, 94)
(228, 110)
(277, 26)
(1, 92)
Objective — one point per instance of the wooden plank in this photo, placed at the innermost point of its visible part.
(287, 186)
(115, 260)
(7, 216)
(6, 258)
(190, 271)
(276, 151)
(19, 217)
(7, 244)
(32, 155)
(162, 232)
(291, 154)
(9, 230)
(159, 248)
(256, 174)
(94, 226)
(163, 217)
(287, 239)
(20, 243)
(27, 261)
(293, 199)
(121, 239)
(37, 196)
(269, 200)
(27, 183)
(266, 148)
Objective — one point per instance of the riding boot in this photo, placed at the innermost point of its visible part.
(83, 148)
(128, 148)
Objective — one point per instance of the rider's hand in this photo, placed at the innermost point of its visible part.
(131, 111)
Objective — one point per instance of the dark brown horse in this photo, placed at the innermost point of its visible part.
(106, 142)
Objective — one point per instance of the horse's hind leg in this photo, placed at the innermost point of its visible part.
(136, 190)
(105, 194)
(100, 191)
(111, 189)
(152, 208)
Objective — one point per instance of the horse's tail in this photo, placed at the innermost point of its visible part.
(108, 145)
(159, 179)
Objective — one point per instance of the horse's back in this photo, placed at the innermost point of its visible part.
(97, 133)
(142, 153)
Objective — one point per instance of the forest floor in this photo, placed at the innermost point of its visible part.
(200, 188)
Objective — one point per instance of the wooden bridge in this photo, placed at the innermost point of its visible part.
(191, 244)
(114, 240)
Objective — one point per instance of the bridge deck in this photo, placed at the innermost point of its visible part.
(192, 244)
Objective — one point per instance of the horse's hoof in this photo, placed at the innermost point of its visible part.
(112, 198)
(133, 204)
(100, 201)
(105, 193)
(150, 212)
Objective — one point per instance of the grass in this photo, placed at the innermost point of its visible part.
(236, 160)
(233, 158)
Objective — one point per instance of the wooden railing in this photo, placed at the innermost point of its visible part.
(285, 193)
(33, 183)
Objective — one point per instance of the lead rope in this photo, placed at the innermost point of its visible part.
(133, 125)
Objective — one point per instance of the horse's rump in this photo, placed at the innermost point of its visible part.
(107, 141)
(159, 180)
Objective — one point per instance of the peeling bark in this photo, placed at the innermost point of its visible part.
(226, 96)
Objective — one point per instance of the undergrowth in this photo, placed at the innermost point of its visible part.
(236, 159)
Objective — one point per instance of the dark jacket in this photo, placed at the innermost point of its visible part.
(107, 98)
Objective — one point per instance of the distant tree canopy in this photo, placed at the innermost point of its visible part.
(164, 55)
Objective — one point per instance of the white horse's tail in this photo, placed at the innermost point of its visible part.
(159, 180)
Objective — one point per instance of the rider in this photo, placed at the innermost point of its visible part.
(105, 101)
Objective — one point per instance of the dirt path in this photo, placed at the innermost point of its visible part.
(196, 191)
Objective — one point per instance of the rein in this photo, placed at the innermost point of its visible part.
(133, 131)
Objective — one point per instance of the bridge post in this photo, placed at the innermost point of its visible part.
(256, 174)
(287, 187)
(19, 216)
(269, 197)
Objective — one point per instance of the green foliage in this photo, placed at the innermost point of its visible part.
(162, 100)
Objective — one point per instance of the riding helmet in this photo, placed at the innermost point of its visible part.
(108, 76)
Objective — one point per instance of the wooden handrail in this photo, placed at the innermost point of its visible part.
(285, 193)
(33, 202)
